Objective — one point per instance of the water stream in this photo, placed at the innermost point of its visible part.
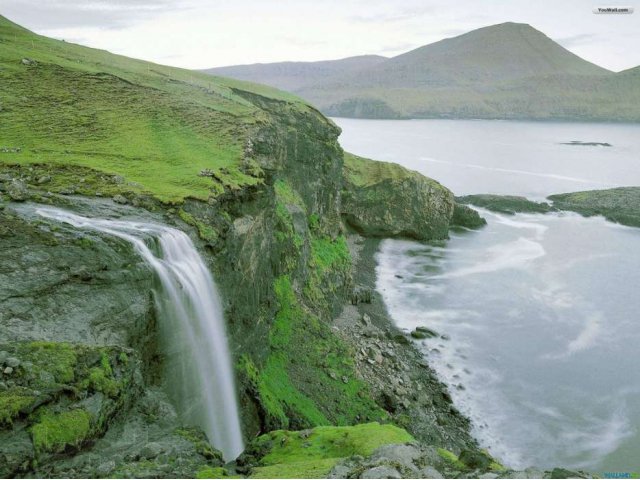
(198, 372)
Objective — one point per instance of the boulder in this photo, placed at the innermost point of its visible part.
(381, 472)
(18, 191)
(382, 199)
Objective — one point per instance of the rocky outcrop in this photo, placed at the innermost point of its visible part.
(382, 199)
(508, 204)
(621, 205)
(466, 217)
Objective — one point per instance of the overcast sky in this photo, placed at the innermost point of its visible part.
(208, 33)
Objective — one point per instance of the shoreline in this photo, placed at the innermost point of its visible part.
(388, 360)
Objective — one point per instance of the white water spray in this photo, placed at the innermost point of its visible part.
(198, 362)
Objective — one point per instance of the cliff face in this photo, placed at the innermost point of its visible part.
(254, 176)
(386, 200)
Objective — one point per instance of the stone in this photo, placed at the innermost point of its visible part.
(151, 450)
(12, 362)
(474, 458)
(8, 371)
(339, 471)
(120, 199)
(430, 472)
(18, 191)
(3, 356)
(381, 472)
(105, 468)
(404, 455)
(490, 476)
(43, 179)
(427, 330)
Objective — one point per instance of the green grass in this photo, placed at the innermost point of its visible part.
(312, 454)
(156, 126)
(301, 382)
(451, 458)
(54, 432)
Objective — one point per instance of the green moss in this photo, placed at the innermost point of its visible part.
(53, 432)
(312, 454)
(59, 359)
(214, 472)
(205, 232)
(200, 442)
(363, 172)
(302, 383)
(329, 258)
(302, 469)
(451, 458)
(285, 193)
(12, 402)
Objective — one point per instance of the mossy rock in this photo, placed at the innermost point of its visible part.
(313, 453)
(620, 205)
(507, 204)
(381, 199)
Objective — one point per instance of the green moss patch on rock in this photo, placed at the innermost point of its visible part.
(466, 217)
(63, 394)
(313, 453)
(308, 379)
(53, 432)
(621, 205)
(508, 204)
(381, 199)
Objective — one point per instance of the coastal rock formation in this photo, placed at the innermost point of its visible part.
(382, 199)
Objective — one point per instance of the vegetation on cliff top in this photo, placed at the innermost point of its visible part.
(64, 104)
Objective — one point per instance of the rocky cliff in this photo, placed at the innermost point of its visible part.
(256, 178)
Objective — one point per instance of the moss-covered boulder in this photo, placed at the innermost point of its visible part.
(55, 397)
(313, 453)
(621, 205)
(509, 204)
(381, 199)
(466, 217)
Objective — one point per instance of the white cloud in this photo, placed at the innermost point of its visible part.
(200, 33)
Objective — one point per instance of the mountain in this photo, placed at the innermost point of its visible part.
(510, 71)
(294, 76)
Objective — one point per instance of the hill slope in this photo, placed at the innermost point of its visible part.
(509, 70)
(293, 76)
(67, 104)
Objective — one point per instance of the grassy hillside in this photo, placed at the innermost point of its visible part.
(508, 71)
(64, 104)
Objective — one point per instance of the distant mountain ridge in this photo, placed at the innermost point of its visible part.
(509, 70)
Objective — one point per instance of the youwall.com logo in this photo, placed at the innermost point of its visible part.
(613, 10)
(621, 475)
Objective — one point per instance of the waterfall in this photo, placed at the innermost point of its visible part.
(199, 373)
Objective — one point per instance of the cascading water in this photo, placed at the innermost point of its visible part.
(199, 373)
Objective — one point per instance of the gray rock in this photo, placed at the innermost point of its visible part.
(339, 471)
(532, 472)
(151, 450)
(3, 356)
(120, 199)
(405, 455)
(8, 371)
(381, 472)
(44, 179)
(430, 472)
(490, 476)
(105, 468)
(12, 362)
(18, 191)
